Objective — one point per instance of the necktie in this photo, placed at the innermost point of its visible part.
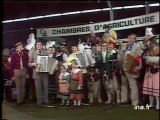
(129, 47)
(20, 54)
(21, 63)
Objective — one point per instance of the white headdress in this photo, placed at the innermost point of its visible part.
(149, 35)
(148, 32)
(31, 42)
(50, 44)
(65, 65)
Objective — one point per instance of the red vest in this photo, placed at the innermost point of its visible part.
(15, 61)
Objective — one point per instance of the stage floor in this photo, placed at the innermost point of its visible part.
(30, 111)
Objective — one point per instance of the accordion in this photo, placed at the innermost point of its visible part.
(46, 64)
(42, 64)
(86, 59)
(82, 59)
(131, 60)
(52, 65)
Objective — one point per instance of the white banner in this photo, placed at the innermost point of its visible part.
(133, 22)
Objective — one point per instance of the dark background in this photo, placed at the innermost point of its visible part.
(19, 31)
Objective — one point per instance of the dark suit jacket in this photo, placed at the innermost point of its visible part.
(107, 65)
(15, 61)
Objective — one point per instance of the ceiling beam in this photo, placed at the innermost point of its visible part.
(110, 11)
(147, 7)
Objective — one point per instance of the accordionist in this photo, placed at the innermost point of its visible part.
(85, 55)
(85, 59)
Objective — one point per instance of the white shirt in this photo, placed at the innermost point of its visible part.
(104, 56)
(64, 56)
(50, 55)
(9, 59)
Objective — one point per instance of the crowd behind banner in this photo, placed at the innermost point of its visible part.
(133, 67)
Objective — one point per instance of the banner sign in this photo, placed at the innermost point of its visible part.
(128, 23)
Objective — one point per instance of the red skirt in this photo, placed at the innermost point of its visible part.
(77, 96)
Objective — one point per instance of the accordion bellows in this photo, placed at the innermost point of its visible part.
(46, 64)
(131, 60)
(86, 59)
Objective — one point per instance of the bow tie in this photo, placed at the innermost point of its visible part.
(40, 52)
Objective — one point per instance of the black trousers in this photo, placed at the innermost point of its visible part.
(85, 88)
(52, 79)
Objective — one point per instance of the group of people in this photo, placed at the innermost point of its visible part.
(137, 65)
(21, 60)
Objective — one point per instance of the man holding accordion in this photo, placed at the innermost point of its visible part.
(130, 56)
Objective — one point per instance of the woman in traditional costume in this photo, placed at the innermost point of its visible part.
(151, 81)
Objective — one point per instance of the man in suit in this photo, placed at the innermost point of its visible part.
(19, 64)
(41, 78)
(64, 51)
(52, 52)
(97, 56)
(129, 77)
(105, 58)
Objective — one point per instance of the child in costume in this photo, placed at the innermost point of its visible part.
(76, 83)
(63, 91)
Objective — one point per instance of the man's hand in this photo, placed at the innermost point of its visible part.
(128, 52)
(136, 69)
(152, 59)
(35, 64)
(27, 76)
(59, 81)
(79, 87)
(62, 81)
(12, 78)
